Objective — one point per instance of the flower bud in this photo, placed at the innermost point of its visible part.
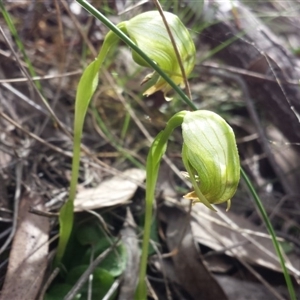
(149, 33)
(211, 158)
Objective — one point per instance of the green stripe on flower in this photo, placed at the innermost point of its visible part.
(211, 157)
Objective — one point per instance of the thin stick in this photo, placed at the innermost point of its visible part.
(39, 78)
(84, 277)
(24, 70)
(32, 135)
(248, 73)
(186, 83)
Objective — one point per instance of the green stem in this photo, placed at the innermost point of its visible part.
(155, 155)
(83, 98)
(85, 90)
(272, 233)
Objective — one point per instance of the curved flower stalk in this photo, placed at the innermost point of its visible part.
(149, 33)
(210, 157)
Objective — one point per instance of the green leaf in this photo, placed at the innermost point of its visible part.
(90, 234)
(115, 262)
(102, 281)
(58, 291)
(66, 224)
(85, 90)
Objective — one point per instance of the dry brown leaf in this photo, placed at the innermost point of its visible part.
(239, 238)
(28, 255)
(242, 290)
(114, 191)
(192, 274)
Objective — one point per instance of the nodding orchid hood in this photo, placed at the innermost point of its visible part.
(210, 157)
(149, 33)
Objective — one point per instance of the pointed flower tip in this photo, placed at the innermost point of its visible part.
(195, 199)
(153, 89)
